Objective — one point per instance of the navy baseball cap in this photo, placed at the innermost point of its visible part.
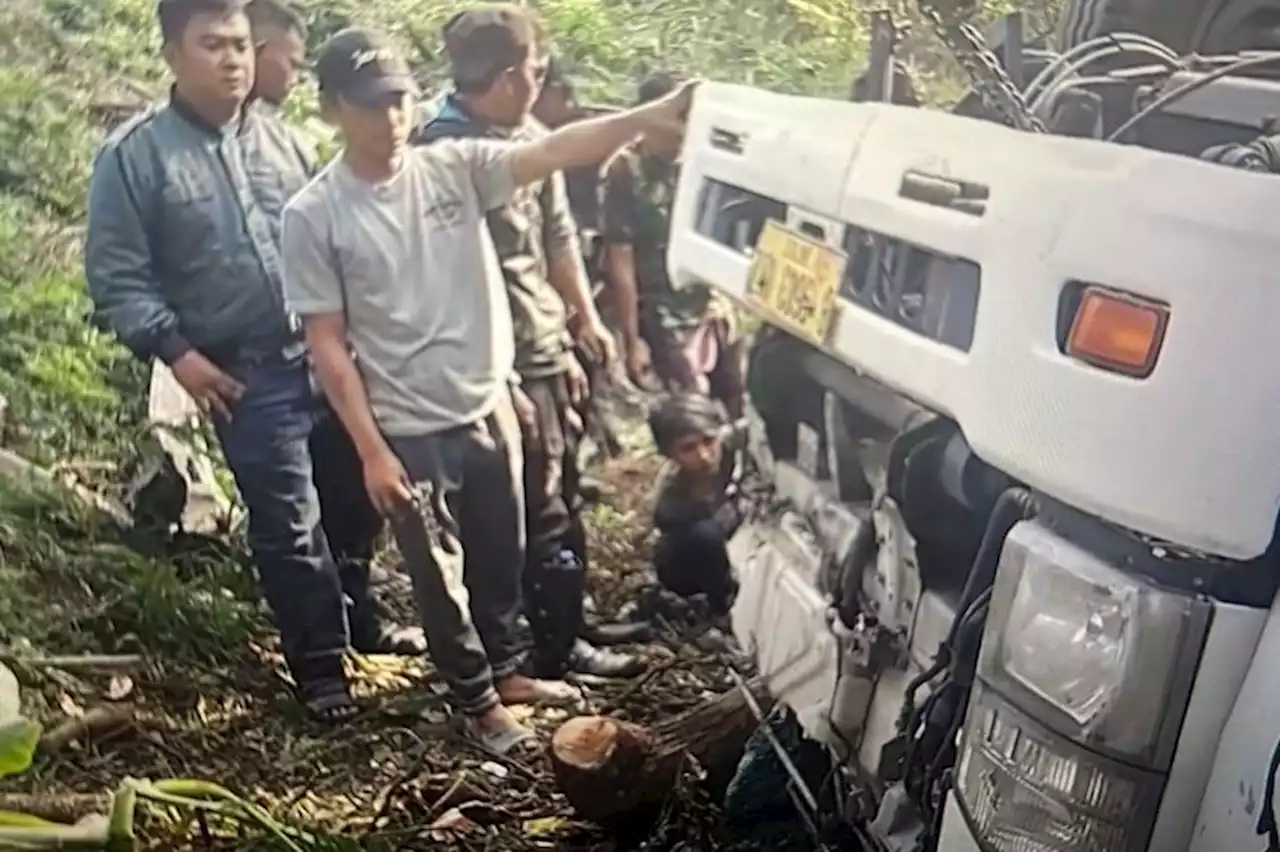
(363, 68)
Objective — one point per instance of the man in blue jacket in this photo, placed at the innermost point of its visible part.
(183, 265)
(537, 244)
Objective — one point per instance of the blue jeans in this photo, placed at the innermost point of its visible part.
(266, 446)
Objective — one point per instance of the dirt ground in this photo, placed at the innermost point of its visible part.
(396, 778)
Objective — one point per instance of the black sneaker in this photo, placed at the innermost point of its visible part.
(376, 636)
(586, 659)
(618, 633)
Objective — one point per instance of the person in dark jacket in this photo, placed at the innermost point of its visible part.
(280, 42)
(351, 523)
(183, 264)
(697, 510)
(489, 48)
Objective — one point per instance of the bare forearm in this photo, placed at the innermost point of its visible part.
(344, 388)
(626, 294)
(567, 275)
(582, 143)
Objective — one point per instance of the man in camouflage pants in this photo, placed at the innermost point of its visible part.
(689, 335)
(498, 62)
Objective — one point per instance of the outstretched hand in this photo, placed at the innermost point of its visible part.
(665, 118)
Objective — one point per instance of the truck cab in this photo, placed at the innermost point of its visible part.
(1013, 407)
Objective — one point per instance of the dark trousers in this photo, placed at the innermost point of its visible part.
(554, 577)
(693, 560)
(470, 492)
(266, 446)
(350, 521)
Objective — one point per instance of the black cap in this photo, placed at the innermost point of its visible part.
(486, 40)
(362, 67)
(656, 86)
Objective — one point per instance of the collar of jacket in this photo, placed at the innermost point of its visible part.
(188, 114)
(449, 116)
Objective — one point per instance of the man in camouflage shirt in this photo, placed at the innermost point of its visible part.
(689, 334)
(537, 245)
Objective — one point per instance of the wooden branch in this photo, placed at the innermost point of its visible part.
(98, 722)
(111, 662)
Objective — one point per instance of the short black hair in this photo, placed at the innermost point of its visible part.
(484, 40)
(656, 86)
(557, 77)
(682, 415)
(176, 15)
(276, 13)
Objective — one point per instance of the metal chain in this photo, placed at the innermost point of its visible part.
(989, 79)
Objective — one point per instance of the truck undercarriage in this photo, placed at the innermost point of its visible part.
(892, 557)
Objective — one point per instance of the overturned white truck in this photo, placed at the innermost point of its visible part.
(1017, 407)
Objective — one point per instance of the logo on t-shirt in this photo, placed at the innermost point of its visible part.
(444, 212)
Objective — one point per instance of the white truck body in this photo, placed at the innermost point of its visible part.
(1185, 459)
(1060, 209)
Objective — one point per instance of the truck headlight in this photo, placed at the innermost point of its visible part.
(1025, 789)
(1099, 656)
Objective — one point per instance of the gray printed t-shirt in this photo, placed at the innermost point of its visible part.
(411, 263)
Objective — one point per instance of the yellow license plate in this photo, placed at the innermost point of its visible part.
(794, 281)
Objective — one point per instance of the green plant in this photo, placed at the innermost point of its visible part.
(116, 832)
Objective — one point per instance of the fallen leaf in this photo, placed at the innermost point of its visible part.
(497, 770)
(544, 826)
(119, 687)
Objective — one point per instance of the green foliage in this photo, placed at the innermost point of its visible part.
(18, 740)
(96, 595)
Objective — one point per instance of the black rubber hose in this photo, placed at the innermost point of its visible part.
(1014, 505)
(1267, 815)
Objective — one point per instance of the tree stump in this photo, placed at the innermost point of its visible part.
(611, 770)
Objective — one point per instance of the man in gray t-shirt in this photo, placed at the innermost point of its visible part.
(388, 262)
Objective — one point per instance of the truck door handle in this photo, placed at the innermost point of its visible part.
(728, 140)
(949, 193)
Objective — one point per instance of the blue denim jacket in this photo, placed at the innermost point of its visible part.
(184, 228)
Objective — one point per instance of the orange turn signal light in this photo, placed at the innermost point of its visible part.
(1118, 332)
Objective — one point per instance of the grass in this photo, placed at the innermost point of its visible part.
(71, 583)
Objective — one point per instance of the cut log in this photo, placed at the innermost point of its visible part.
(611, 770)
(715, 733)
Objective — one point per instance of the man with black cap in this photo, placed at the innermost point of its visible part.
(389, 262)
(498, 66)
